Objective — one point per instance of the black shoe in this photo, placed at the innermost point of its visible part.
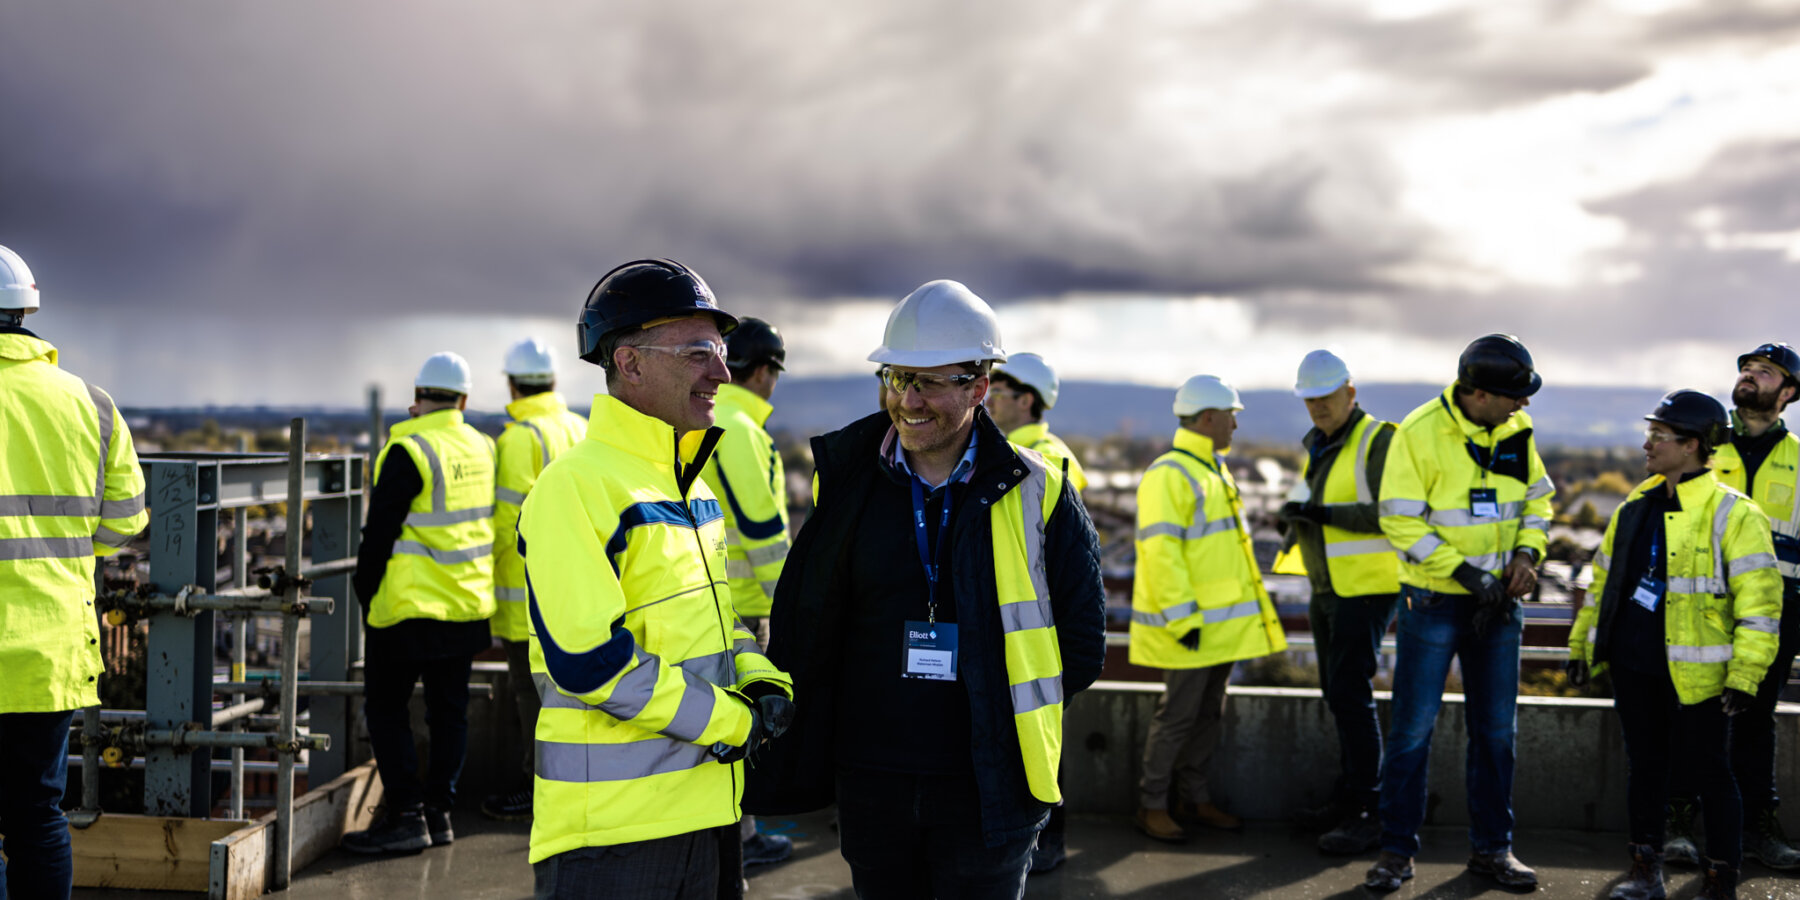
(1048, 854)
(1721, 882)
(762, 849)
(1506, 869)
(1359, 833)
(437, 822)
(513, 807)
(1679, 849)
(1644, 881)
(1388, 872)
(394, 832)
(1767, 843)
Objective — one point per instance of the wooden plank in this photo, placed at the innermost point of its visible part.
(243, 862)
(151, 853)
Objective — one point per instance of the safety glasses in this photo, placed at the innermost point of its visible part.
(930, 384)
(698, 354)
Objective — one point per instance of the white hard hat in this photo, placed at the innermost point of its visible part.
(531, 361)
(1029, 369)
(941, 323)
(18, 290)
(1203, 392)
(445, 372)
(1321, 372)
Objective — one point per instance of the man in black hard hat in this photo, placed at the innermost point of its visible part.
(1760, 460)
(1466, 502)
(746, 472)
(653, 692)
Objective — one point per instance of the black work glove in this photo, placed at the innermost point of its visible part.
(1311, 512)
(1736, 701)
(1491, 603)
(777, 714)
(1191, 640)
(1577, 670)
(726, 753)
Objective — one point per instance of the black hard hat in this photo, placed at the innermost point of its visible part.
(639, 292)
(1778, 353)
(1498, 364)
(1694, 414)
(754, 342)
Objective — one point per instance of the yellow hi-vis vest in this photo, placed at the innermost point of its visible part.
(541, 429)
(1037, 436)
(1722, 611)
(638, 656)
(70, 490)
(1774, 494)
(1359, 563)
(1425, 507)
(1196, 567)
(746, 472)
(443, 564)
(1033, 658)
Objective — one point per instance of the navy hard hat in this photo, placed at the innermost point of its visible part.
(1778, 353)
(1498, 364)
(755, 342)
(640, 292)
(1694, 414)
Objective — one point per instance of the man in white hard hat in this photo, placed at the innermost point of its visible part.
(938, 608)
(1023, 389)
(542, 427)
(70, 491)
(1197, 607)
(1333, 519)
(425, 576)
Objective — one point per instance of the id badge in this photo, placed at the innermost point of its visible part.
(1484, 503)
(1648, 594)
(930, 651)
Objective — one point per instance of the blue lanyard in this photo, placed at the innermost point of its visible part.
(928, 556)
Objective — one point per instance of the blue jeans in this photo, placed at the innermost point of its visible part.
(34, 768)
(1434, 628)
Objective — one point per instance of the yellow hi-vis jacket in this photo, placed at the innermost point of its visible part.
(1773, 492)
(637, 654)
(1722, 610)
(1195, 565)
(541, 429)
(1357, 563)
(70, 490)
(1037, 436)
(1425, 504)
(443, 564)
(746, 472)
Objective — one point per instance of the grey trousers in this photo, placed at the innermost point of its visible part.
(1189, 720)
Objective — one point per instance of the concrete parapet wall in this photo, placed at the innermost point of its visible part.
(1279, 753)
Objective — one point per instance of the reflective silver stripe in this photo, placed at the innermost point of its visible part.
(1412, 509)
(1459, 518)
(542, 444)
(762, 556)
(103, 409)
(1789, 570)
(1769, 624)
(718, 668)
(617, 762)
(46, 548)
(732, 536)
(1360, 464)
(1168, 528)
(1593, 633)
(1536, 523)
(1540, 488)
(695, 709)
(511, 594)
(1751, 563)
(1701, 585)
(1423, 548)
(1785, 528)
(1602, 561)
(1033, 492)
(635, 688)
(508, 495)
(437, 472)
(1162, 619)
(1721, 518)
(52, 505)
(1239, 610)
(1026, 614)
(447, 557)
(109, 537)
(122, 509)
(1717, 653)
(1199, 495)
(1490, 562)
(1335, 549)
(451, 517)
(769, 587)
(739, 568)
(1216, 526)
(1036, 694)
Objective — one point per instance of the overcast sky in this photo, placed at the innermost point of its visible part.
(262, 202)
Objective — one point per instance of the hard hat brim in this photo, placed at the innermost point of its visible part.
(1315, 392)
(925, 359)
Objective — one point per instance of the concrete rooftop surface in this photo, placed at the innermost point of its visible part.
(1108, 858)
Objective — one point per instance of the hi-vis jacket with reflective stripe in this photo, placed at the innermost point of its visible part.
(1432, 467)
(638, 656)
(1195, 565)
(70, 489)
(1773, 492)
(541, 429)
(1037, 436)
(1721, 615)
(443, 563)
(1356, 556)
(746, 472)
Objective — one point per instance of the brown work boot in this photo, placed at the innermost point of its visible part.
(1205, 814)
(1644, 881)
(1157, 824)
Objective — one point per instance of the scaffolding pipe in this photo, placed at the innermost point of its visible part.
(183, 739)
(329, 569)
(477, 690)
(246, 600)
(290, 657)
(218, 765)
(231, 715)
(240, 637)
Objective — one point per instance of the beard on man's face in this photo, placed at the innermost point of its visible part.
(1747, 397)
